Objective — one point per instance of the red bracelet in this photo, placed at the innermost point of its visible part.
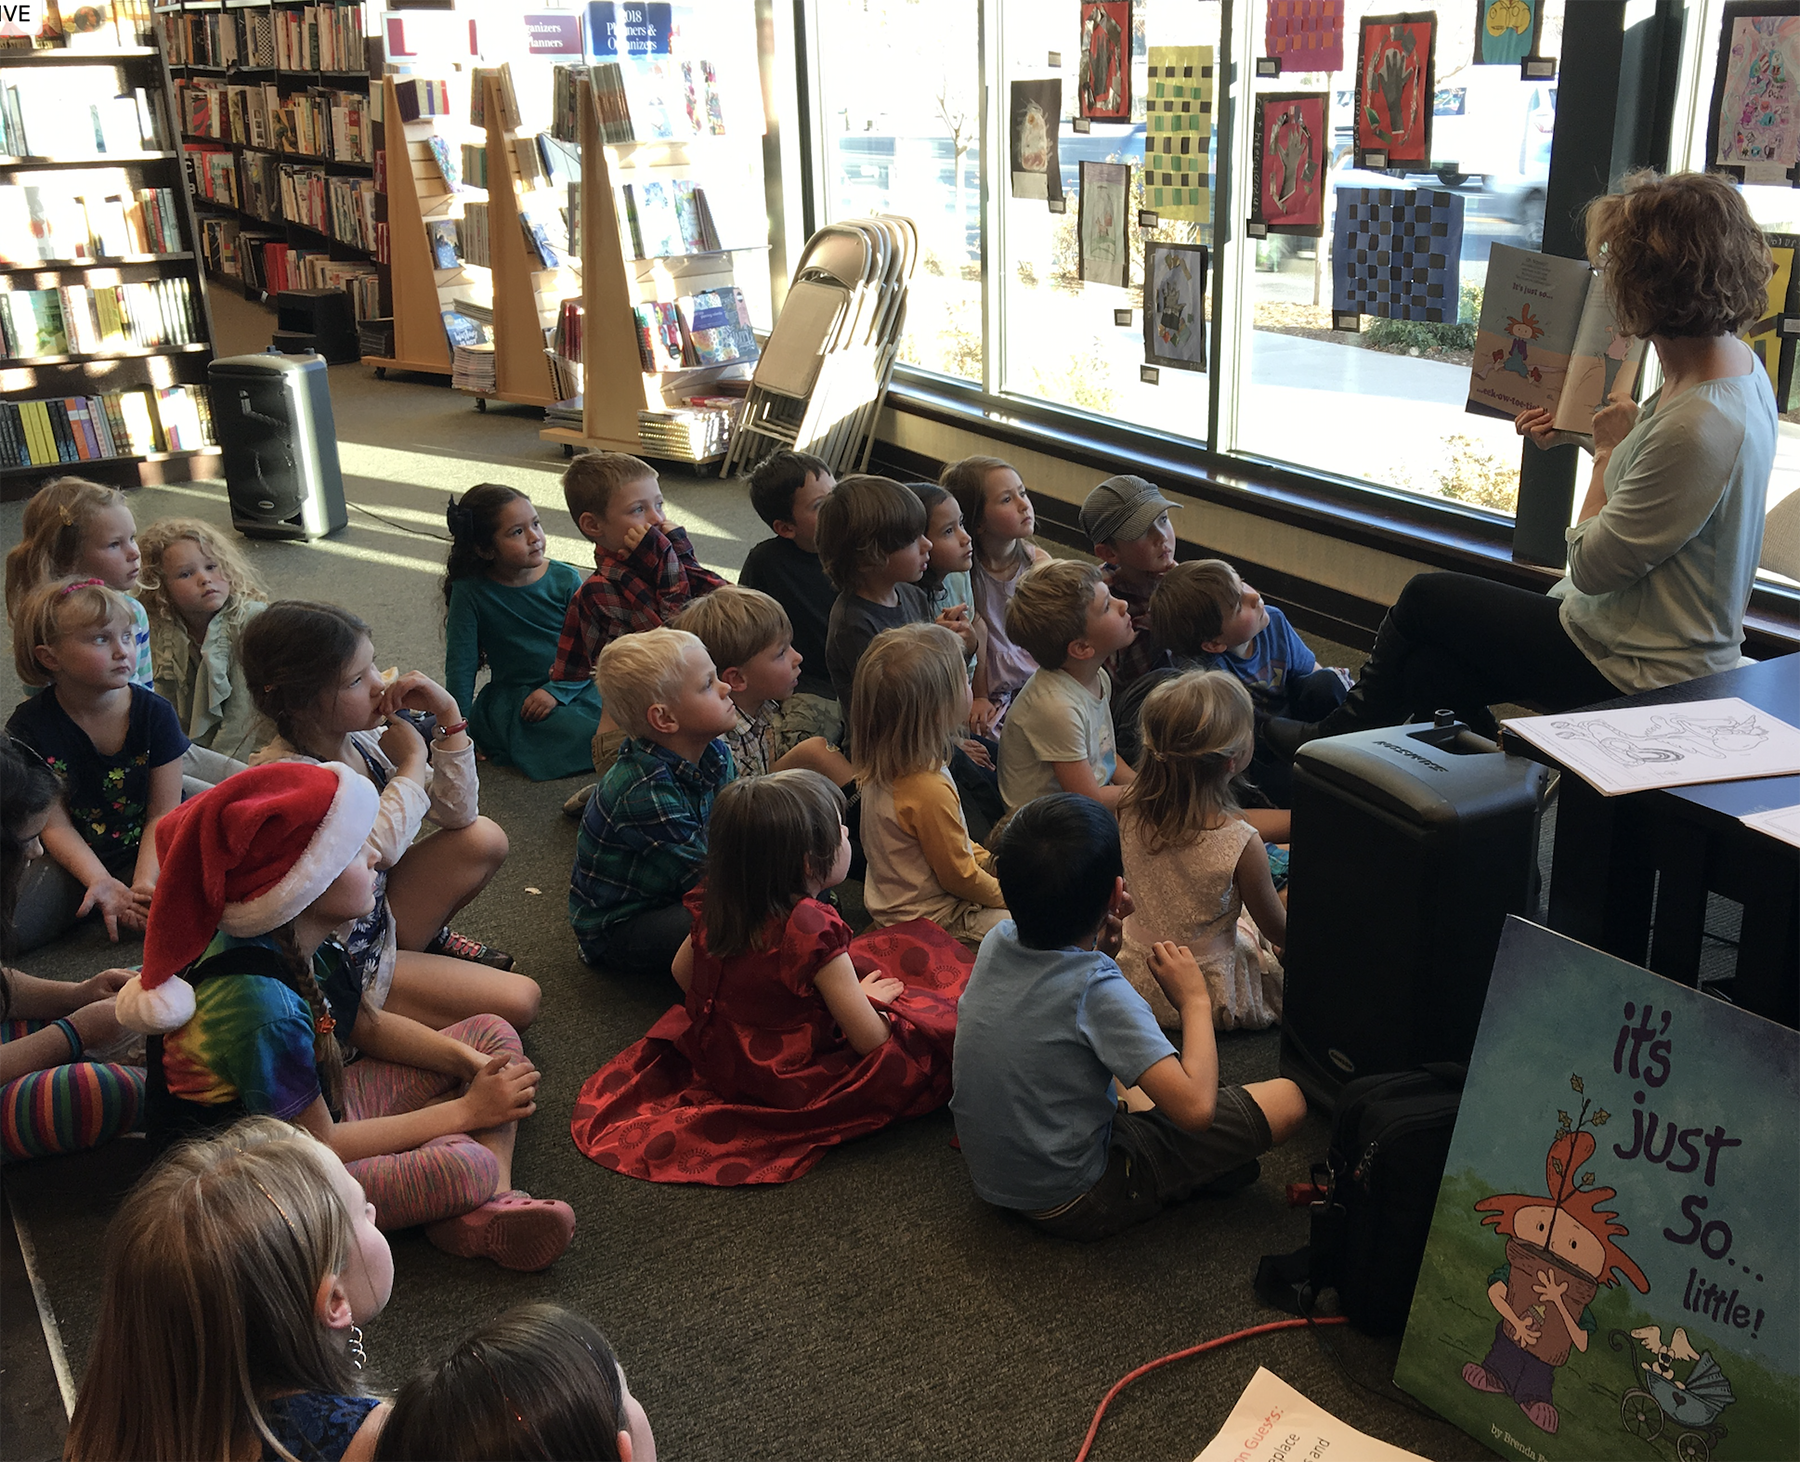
(451, 730)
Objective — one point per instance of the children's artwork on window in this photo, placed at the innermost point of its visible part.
(1175, 305)
(1105, 201)
(1755, 127)
(1395, 85)
(1307, 35)
(1610, 1270)
(1036, 116)
(1290, 141)
(1506, 31)
(1105, 86)
(1394, 253)
(1774, 348)
(1177, 127)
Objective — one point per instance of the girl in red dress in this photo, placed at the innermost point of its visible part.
(794, 1036)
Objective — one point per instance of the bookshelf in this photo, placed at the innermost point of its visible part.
(615, 387)
(415, 194)
(104, 319)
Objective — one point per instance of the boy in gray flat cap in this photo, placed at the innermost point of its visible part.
(1127, 521)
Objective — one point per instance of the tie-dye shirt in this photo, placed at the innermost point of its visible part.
(249, 1047)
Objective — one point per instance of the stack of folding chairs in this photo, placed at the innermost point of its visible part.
(822, 376)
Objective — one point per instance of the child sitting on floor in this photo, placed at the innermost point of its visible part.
(910, 702)
(538, 1382)
(117, 746)
(200, 593)
(1058, 735)
(643, 836)
(506, 602)
(778, 1043)
(253, 1005)
(1048, 1025)
(238, 1276)
(1191, 861)
(1127, 521)
(787, 489)
(312, 670)
(78, 529)
(997, 513)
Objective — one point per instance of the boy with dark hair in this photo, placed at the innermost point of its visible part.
(1048, 1025)
(787, 489)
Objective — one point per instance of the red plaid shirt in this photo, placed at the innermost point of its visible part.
(1143, 654)
(647, 587)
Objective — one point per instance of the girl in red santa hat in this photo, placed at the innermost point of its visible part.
(253, 1009)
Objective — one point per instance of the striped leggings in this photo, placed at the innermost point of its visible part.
(66, 1108)
(448, 1175)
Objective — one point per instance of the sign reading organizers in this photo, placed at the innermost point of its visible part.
(1611, 1269)
(553, 33)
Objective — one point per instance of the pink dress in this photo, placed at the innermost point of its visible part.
(750, 1080)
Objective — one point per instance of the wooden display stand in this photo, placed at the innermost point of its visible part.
(415, 189)
(615, 387)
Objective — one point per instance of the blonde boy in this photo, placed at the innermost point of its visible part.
(751, 641)
(643, 837)
(1058, 735)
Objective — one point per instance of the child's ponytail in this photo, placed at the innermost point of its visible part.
(1198, 731)
(472, 520)
(328, 1055)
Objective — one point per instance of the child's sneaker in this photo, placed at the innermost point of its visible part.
(513, 1229)
(459, 946)
(576, 806)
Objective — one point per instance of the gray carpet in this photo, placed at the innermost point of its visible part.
(875, 1307)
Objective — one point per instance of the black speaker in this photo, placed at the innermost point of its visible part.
(276, 435)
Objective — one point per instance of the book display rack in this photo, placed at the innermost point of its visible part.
(99, 269)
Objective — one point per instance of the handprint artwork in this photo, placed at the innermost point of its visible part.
(1395, 65)
(1289, 162)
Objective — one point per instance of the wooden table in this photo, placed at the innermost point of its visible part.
(1630, 874)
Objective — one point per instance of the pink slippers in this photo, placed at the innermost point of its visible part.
(513, 1229)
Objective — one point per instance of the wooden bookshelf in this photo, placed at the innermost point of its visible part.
(68, 374)
(415, 192)
(615, 386)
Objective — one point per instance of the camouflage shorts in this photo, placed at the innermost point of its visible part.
(801, 716)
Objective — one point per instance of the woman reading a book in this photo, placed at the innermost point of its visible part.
(1664, 551)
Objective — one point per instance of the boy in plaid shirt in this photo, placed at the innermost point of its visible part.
(643, 836)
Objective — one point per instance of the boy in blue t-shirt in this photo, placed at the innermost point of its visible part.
(1048, 1023)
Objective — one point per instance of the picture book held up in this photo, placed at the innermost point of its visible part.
(1611, 1269)
(1547, 338)
(1640, 748)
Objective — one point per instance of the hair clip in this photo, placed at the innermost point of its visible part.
(66, 515)
(324, 1025)
(70, 588)
(271, 1197)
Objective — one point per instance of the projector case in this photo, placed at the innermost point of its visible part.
(1411, 846)
(272, 413)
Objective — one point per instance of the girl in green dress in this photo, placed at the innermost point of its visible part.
(506, 600)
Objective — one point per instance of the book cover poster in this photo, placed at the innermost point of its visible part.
(1395, 63)
(1506, 31)
(1103, 250)
(1178, 103)
(1036, 118)
(1308, 35)
(1289, 144)
(1611, 1266)
(1175, 305)
(1395, 253)
(1104, 90)
(1755, 124)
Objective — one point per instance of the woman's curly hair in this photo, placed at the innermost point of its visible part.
(1681, 256)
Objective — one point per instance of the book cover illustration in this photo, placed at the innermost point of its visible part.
(658, 223)
(715, 105)
(1547, 339)
(1506, 31)
(1104, 88)
(659, 335)
(1395, 253)
(1177, 181)
(1289, 145)
(1308, 35)
(443, 243)
(1395, 69)
(1101, 237)
(1036, 108)
(1611, 1269)
(445, 159)
(716, 325)
(1754, 128)
(1175, 305)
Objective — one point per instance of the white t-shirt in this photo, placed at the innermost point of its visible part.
(1055, 718)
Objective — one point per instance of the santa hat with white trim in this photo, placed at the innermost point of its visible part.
(242, 859)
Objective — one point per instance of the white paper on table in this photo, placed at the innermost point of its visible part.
(1782, 823)
(1272, 1419)
(1639, 748)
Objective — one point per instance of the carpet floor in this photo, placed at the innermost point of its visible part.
(875, 1307)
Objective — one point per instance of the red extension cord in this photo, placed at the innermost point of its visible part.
(1144, 1370)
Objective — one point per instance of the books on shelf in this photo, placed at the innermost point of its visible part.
(375, 337)
(78, 111)
(474, 164)
(320, 38)
(418, 97)
(664, 217)
(124, 423)
(220, 38)
(441, 233)
(350, 205)
(219, 245)
(715, 327)
(360, 281)
(510, 120)
(642, 99)
(65, 220)
(540, 242)
(472, 238)
(80, 319)
(659, 335)
(99, 25)
(445, 160)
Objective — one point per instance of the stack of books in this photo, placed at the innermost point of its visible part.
(472, 369)
(376, 337)
(320, 38)
(689, 434)
(642, 99)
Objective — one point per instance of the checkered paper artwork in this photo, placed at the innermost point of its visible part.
(1394, 253)
(1178, 124)
(1308, 35)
